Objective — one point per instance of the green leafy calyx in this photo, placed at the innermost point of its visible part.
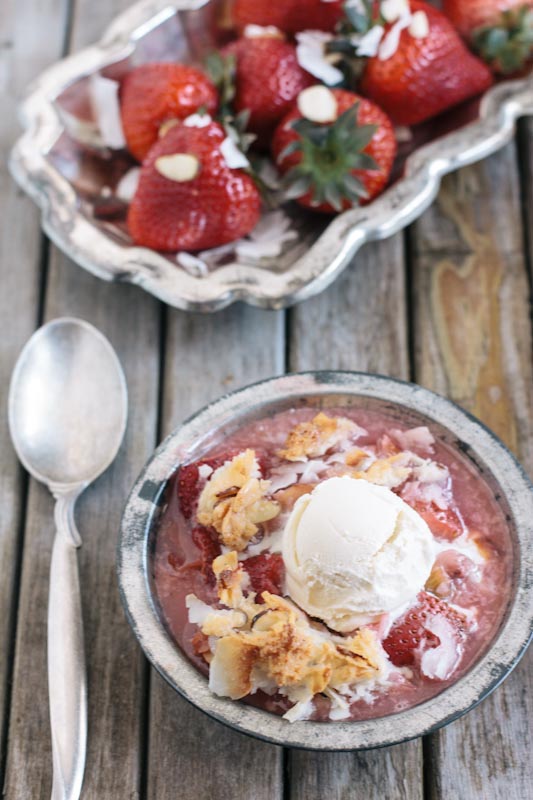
(508, 45)
(329, 155)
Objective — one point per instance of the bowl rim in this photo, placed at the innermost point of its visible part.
(494, 666)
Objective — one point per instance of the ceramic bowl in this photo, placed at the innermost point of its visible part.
(409, 404)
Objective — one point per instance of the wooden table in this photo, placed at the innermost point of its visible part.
(446, 305)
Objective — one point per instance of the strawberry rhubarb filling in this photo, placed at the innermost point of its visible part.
(333, 565)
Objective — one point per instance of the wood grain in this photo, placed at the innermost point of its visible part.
(473, 336)
(116, 668)
(190, 754)
(360, 323)
(24, 51)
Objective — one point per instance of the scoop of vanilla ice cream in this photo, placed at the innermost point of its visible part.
(354, 550)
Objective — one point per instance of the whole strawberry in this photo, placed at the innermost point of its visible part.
(153, 94)
(188, 198)
(430, 71)
(268, 79)
(335, 148)
(501, 31)
(289, 16)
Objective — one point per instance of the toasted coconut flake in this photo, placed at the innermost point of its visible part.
(315, 438)
(233, 501)
(281, 647)
(390, 472)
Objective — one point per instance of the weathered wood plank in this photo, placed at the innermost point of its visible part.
(473, 343)
(359, 324)
(116, 667)
(24, 51)
(191, 754)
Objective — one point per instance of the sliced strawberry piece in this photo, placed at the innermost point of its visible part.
(207, 543)
(266, 572)
(443, 523)
(152, 94)
(410, 635)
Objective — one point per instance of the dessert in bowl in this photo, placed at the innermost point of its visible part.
(330, 560)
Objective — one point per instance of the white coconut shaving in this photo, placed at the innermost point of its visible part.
(266, 240)
(197, 121)
(194, 265)
(127, 185)
(233, 156)
(103, 96)
(439, 662)
(311, 55)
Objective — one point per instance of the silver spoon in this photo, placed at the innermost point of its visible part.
(67, 416)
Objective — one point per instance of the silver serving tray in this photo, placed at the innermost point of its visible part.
(70, 180)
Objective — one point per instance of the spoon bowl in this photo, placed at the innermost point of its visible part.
(67, 403)
(67, 416)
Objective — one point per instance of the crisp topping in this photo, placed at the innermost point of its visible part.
(233, 501)
(230, 578)
(281, 646)
(390, 472)
(315, 438)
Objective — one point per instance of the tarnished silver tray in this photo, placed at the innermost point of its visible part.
(71, 182)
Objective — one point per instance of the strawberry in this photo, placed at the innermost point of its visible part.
(345, 160)
(410, 634)
(266, 573)
(427, 74)
(501, 31)
(443, 524)
(156, 93)
(268, 79)
(289, 16)
(207, 543)
(188, 198)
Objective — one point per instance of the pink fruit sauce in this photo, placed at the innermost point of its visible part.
(472, 572)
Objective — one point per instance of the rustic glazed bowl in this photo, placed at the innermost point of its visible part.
(409, 404)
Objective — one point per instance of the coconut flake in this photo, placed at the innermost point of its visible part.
(198, 610)
(419, 438)
(262, 31)
(438, 663)
(197, 121)
(103, 96)
(233, 156)
(390, 42)
(266, 240)
(204, 471)
(419, 27)
(368, 44)
(392, 10)
(311, 55)
(303, 709)
(127, 185)
(192, 264)
(403, 134)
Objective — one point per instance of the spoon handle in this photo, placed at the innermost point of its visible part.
(67, 681)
